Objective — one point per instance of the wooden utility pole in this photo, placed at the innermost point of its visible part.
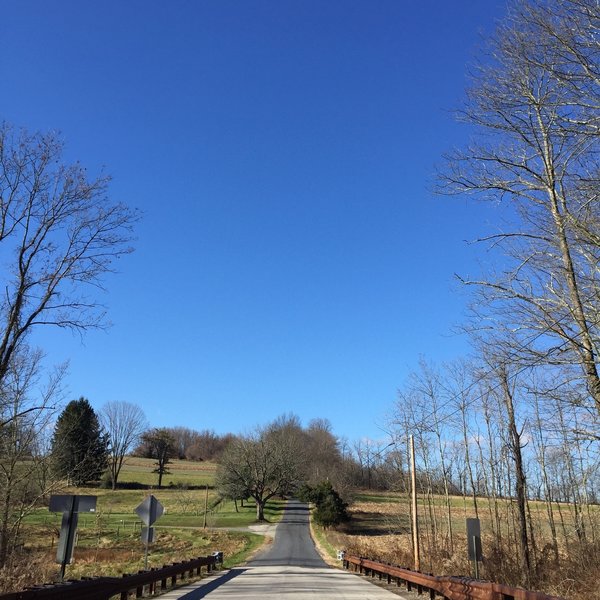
(415, 521)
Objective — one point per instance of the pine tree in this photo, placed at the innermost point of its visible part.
(79, 445)
(330, 509)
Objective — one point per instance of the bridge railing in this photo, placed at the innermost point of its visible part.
(104, 588)
(451, 588)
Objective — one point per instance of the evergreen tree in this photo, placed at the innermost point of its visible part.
(79, 445)
(330, 509)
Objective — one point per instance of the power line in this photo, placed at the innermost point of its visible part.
(424, 420)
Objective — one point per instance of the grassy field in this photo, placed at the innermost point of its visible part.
(181, 473)
(109, 540)
(380, 528)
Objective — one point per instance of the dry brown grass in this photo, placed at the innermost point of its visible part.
(36, 565)
(381, 530)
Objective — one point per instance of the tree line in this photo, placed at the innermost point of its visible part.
(519, 419)
(86, 445)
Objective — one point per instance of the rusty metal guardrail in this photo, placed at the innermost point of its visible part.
(103, 588)
(451, 588)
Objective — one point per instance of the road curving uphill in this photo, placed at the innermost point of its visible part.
(289, 567)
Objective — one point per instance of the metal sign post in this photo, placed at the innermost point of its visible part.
(149, 511)
(474, 543)
(70, 506)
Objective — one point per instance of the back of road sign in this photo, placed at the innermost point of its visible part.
(149, 510)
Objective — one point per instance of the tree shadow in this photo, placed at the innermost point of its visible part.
(371, 523)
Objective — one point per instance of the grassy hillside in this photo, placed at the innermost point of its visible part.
(181, 473)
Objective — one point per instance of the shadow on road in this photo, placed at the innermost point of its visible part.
(309, 563)
(212, 585)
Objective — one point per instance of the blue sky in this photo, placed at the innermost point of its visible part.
(291, 257)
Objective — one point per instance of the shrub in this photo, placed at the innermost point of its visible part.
(330, 509)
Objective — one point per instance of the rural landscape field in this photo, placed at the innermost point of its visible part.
(197, 521)
(343, 255)
(109, 540)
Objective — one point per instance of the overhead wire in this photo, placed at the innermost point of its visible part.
(422, 422)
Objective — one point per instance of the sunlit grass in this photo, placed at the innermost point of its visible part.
(109, 540)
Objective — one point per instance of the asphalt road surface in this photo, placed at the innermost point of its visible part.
(289, 568)
(292, 545)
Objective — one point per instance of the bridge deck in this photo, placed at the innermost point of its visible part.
(291, 566)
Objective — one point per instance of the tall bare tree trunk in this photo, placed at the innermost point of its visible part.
(544, 475)
(493, 461)
(520, 479)
(573, 486)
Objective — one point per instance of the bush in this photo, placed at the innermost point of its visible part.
(330, 509)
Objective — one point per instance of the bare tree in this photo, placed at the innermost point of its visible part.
(162, 446)
(59, 235)
(185, 438)
(323, 458)
(264, 464)
(207, 445)
(124, 423)
(535, 108)
(516, 448)
(26, 410)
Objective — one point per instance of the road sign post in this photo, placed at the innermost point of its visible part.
(149, 511)
(474, 543)
(70, 506)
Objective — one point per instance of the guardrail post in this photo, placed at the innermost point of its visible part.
(124, 594)
(152, 586)
(139, 591)
(163, 581)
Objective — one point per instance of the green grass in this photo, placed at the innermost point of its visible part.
(253, 542)
(320, 536)
(184, 502)
(109, 540)
(116, 509)
(180, 473)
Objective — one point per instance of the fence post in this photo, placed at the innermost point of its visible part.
(152, 586)
(139, 591)
(125, 593)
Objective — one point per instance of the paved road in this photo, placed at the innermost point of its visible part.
(289, 568)
(292, 545)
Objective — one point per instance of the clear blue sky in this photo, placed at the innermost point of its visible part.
(291, 257)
